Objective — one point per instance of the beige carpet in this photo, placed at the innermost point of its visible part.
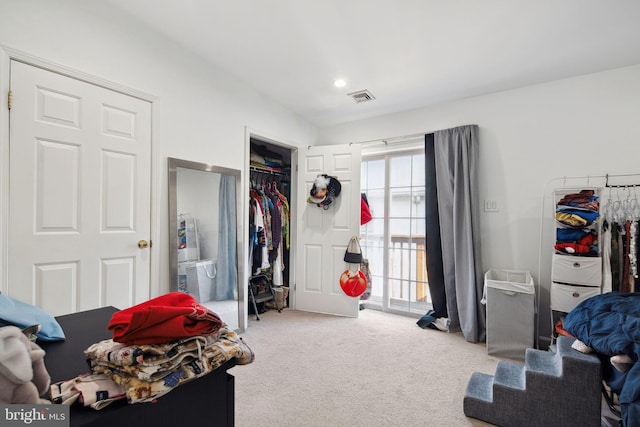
(377, 370)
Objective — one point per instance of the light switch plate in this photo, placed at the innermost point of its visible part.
(490, 205)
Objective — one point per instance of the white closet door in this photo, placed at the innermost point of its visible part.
(323, 235)
(79, 193)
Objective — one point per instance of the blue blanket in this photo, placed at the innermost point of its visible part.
(610, 324)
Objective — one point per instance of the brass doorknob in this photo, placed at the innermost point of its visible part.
(143, 244)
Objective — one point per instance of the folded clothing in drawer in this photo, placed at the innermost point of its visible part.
(585, 271)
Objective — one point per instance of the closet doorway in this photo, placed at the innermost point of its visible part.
(270, 205)
(318, 238)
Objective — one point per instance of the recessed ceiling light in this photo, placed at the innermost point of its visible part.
(339, 83)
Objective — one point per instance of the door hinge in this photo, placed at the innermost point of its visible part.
(10, 100)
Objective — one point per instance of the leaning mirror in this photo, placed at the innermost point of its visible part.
(203, 236)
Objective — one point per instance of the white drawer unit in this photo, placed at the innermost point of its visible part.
(577, 270)
(576, 263)
(566, 297)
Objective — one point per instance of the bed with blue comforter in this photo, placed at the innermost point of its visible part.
(610, 324)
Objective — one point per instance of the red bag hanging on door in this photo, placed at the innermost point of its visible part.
(353, 283)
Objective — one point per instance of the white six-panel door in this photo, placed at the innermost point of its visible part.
(79, 193)
(323, 235)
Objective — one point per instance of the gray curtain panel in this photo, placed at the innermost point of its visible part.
(456, 167)
(226, 281)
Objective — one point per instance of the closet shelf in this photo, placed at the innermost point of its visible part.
(265, 169)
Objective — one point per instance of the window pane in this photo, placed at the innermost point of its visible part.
(422, 292)
(417, 228)
(398, 265)
(401, 204)
(403, 234)
(376, 202)
(396, 289)
(399, 228)
(416, 265)
(419, 205)
(374, 174)
(417, 172)
(400, 171)
(376, 285)
(364, 182)
(373, 229)
(371, 241)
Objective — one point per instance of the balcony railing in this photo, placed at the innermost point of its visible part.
(411, 270)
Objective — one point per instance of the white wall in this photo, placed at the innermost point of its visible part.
(200, 114)
(530, 138)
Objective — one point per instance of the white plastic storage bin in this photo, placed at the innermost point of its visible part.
(576, 270)
(566, 297)
(510, 300)
(200, 280)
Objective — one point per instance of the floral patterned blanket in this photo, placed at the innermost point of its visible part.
(148, 371)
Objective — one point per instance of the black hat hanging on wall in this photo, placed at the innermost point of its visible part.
(324, 191)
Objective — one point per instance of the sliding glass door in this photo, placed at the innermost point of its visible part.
(394, 240)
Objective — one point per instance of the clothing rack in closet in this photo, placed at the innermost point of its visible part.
(269, 218)
(260, 177)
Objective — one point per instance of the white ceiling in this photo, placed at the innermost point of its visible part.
(407, 53)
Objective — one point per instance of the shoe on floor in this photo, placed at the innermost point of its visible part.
(442, 323)
(425, 321)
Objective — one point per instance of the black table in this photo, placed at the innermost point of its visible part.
(206, 401)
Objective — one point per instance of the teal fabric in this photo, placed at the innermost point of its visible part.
(226, 281)
(20, 314)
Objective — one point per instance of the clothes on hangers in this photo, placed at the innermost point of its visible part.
(620, 241)
(606, 257)
(270, 205)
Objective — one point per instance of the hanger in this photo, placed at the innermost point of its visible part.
(617, 213)
(634, 206)
(607, 209)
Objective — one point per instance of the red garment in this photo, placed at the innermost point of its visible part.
(582, 246)
(163, 319)
(573, 248)
(365, 213)
(561, 331)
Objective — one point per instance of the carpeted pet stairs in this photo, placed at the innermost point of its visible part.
(550, 389)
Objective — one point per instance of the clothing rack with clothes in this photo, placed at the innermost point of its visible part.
(597, 239)
(269, 226)
(269, 219)
(261, 178)
(621, 238)
(619, 228)
(562, 295)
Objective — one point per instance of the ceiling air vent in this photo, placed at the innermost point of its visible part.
(362, 96)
